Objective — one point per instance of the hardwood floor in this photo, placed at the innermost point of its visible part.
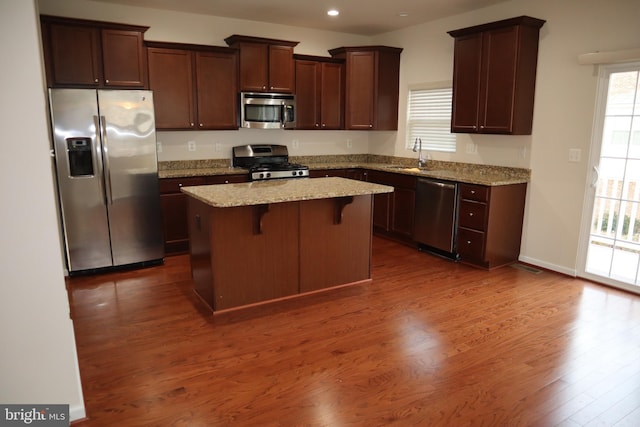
(429, 343)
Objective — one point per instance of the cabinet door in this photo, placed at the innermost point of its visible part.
(124, 58)
(403, 211)
(171, 79)
(381, 204)
(332, 96)
(254, 58)
(307, 94)
(174, 223)
(498, 80)
(281, 69)
(217, 87)
(74, 55)
(360, 94)
(466, 83)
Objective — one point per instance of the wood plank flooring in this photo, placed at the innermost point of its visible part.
(428, 343)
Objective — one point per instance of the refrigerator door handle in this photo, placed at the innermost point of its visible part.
(105, 156)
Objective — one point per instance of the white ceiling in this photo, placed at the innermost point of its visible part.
(364, 17)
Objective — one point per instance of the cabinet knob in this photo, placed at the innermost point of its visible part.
(370, 126)
(201, 125)
(180, 185)
(226, 181)
(106, 81)
(468, 242)
(470, 213)
(323, 125)
(317, 125)
(191, 124)
(96, 80)
(264, 87)
(473, 191)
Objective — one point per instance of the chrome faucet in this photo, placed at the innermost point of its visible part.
(417, 148)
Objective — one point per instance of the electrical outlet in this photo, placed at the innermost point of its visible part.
(523, 152)
(472, 148)
(349, 143)
(159, 147)
(575, 154)
(218, 147)
(295, 144)
(191, 146)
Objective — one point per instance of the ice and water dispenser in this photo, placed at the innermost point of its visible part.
(80, 157)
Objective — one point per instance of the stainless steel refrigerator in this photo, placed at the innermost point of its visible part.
(107, 174)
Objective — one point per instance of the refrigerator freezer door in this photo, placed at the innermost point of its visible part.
(131, 175)
(79, 172)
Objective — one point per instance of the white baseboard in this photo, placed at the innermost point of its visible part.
(77, 412)
(548, 266)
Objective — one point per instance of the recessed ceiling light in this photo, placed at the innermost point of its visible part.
(333, 12)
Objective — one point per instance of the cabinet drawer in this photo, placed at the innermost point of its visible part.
(470, 243)
(479, 193)
(172, 185)
(472, 215)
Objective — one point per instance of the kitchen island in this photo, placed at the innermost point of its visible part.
(266, 240)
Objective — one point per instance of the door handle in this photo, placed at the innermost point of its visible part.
(594, 183)
(105, 156)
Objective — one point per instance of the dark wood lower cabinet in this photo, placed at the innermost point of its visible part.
(174, 208)
(393, 213)
(490, 224)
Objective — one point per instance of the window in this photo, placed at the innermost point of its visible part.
(429, 118)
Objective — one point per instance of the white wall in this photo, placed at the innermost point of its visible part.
(38, 363)
(564, 106)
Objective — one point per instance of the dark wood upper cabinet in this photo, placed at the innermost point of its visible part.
(171, 79)
(217, 85)
(81, 53)
(195, 87)
(372, 76)
(266, 65)
(494, 76)
(319, 93)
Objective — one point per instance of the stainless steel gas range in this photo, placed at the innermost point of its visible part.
(267, 161)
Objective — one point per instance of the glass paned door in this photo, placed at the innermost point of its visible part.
(613, 249)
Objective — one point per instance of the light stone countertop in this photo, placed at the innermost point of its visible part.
(281, 190)
(452, 171)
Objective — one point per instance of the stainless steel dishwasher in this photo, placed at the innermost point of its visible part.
(436, 216)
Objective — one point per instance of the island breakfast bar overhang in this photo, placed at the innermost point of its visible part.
(261, 241)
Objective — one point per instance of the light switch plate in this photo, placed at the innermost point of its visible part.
(575, 155)
(191, 145)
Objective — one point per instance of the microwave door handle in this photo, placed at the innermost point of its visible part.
(283, 114)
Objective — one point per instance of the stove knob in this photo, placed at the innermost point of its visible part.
(293, 173)
(261, 175)
(268, 174)
(300, 173)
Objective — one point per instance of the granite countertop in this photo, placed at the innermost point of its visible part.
(452, 171)
(281, 190)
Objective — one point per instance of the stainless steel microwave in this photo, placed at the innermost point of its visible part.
(267, 110)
